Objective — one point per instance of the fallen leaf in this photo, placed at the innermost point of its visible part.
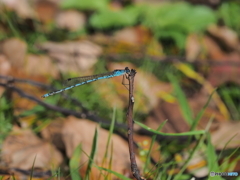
(23, 149)
(46, 11)
(222, 66)
(5, 65)
(53, 133)
(73, 56)
(213, 50)
(132, 35)
(197, 165)
(176, 122)
(227, 136)
(76, 131)
(71, 20)
(38, 65)
(19, 47)
(164, 111)
(5, 68)
(225, 35)
(226, 71)
(193, 47)
(21, 7)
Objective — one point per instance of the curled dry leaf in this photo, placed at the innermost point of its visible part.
(133, 35)
(46, 11)
(197, 164)
(164, 111)
(176, 122)
(127, 35)
(193, 47)
(72, 20)
(137, 41)
(226, 71)
(19, 47)
(24, 64)
(5, 68)
(213, 49)
(40, 65)
(53, 133)
(223, 66)
(228, 37)
(77, 132)
(227, 135)
(23, 149)
(21, 7)
(5, 65)
(73, 56)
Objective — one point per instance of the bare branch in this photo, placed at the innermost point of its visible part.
(134, 168)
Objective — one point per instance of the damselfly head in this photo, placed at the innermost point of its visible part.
(127, 70)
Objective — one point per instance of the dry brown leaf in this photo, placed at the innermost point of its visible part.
(21, 7)
(37, 65)
(176, 122)
(213, 49)
(22, 62)
(197, 165)
(224, 66)
(5, 68)
(73, 56)
(46, 11)
(167, 111)
(227, 135)
(193, 47)
(137, 41)
(19, 47)
(53, 133)
(76, 131)
(5, 65)
(137, 36)
(23, 149)
(71, 20)
(226, 71)
(225, 35)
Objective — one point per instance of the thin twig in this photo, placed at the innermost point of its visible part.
(64, 111)
(134, 168)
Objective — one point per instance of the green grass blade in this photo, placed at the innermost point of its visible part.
(212, 159)
(93, 152)
(184, 167)
(225, 146)
(200, 114)
(183, 103)
(74, 163)
(228, 97)
(151, 146)
(227, 162)
(122, 177)
(32, 170)
(110, 132)
(108, 141)
(190, 133)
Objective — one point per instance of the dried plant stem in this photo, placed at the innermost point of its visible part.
(134, 168)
